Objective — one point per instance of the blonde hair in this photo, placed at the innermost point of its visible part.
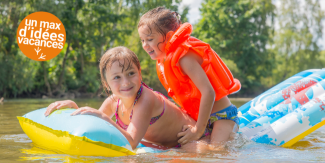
(116, 54)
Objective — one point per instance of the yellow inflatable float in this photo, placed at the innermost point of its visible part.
(77, 135)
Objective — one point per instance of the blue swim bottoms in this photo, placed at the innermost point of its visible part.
(229, 113)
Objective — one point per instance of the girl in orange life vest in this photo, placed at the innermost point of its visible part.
(192, 73)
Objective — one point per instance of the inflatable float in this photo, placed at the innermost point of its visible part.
(280, 116)
(78, 135)
(287, 112)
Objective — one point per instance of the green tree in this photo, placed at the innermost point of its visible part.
(238, 31)
(91, 26)
(16, 72)
(296, 42)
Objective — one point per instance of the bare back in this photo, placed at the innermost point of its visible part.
(164, 131)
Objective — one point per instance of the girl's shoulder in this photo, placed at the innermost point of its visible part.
(111, 102)
(190, 57)
(149, 103)
(149, 97)
(114, 101)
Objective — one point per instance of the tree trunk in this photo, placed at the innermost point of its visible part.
(63, 66)
(14, 17)
(49, 91)
(81, 60)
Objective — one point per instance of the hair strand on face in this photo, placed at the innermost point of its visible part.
(116, 55)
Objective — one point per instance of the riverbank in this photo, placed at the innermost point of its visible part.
(240, 99)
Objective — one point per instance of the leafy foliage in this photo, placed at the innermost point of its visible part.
(297, 41)
(92, 27)
(238, 31)
(261, 44)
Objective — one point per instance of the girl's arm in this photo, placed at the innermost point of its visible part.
(107, 106)
(140, 120)
(191, 66)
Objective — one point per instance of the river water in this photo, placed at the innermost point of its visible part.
(15, 146)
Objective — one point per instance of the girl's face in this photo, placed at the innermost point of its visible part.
(150, 40)
(126, 82)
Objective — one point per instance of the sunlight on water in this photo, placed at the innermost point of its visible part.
(15, 146)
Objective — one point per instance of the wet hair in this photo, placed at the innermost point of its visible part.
(162, 20)
(115, 55)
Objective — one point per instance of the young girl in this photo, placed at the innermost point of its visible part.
(140, 112)
(192, 73)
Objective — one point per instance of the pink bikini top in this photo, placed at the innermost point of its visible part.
(153, 119)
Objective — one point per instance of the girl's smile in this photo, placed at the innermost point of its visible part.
(152, 42)
(151, 52)
(127, 89)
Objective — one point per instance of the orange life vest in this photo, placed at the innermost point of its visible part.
(179, 86)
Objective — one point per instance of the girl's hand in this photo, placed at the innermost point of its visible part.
(88, 111)
(188, 134)
(60, 105)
